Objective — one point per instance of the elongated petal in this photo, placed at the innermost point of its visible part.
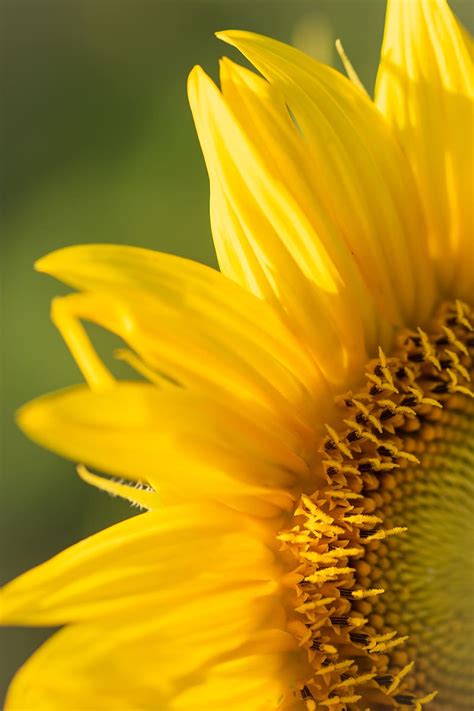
(147, 563)
(363, 178)
(139, 495)
(144, 663)
(264, 226)
(358, 229)
(183, 445)
(177, 282)
(184, 346)
(189, 322)
(254, 683)
(425, 88)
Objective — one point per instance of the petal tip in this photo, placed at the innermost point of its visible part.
(196, 79)
(50, 262)
(28, 418)
(41, 264)
(222, 34)
(235, 37)
(195, 72)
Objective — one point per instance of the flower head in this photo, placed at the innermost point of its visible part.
(302, 439)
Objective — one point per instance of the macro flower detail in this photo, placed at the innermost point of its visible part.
(301, 439)
(387, 465)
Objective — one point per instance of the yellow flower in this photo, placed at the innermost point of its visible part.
(302, 440)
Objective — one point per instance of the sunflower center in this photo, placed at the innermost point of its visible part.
(384, 571)
(428, 573)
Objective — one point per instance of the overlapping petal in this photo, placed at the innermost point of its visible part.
(256, 683)
(149, 661)
(190, 323)
(144, 565)
(321, 204)
(425, 88)
(261, 224)
(184, 445)
(316, 213)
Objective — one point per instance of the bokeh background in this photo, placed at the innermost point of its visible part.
(99, 146)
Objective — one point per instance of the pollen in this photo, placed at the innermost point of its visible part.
(383, 602)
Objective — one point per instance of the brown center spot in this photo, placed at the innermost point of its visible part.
(383, 549)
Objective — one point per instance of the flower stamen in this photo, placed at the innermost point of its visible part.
(413, 409)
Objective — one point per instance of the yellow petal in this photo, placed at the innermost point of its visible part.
(137, 494)
(189, 322)
(177, 282)
(144, 662)
(271, 228)
(183, 345)
(254, 683)
(363, 176)
(359, 179)
(185, 446)
(145, 565)
(425, 88)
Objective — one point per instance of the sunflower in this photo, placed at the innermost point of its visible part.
(302, 436)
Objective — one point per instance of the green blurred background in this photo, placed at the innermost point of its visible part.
(99, 146)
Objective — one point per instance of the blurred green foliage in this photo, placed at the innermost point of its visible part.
(99, 146)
